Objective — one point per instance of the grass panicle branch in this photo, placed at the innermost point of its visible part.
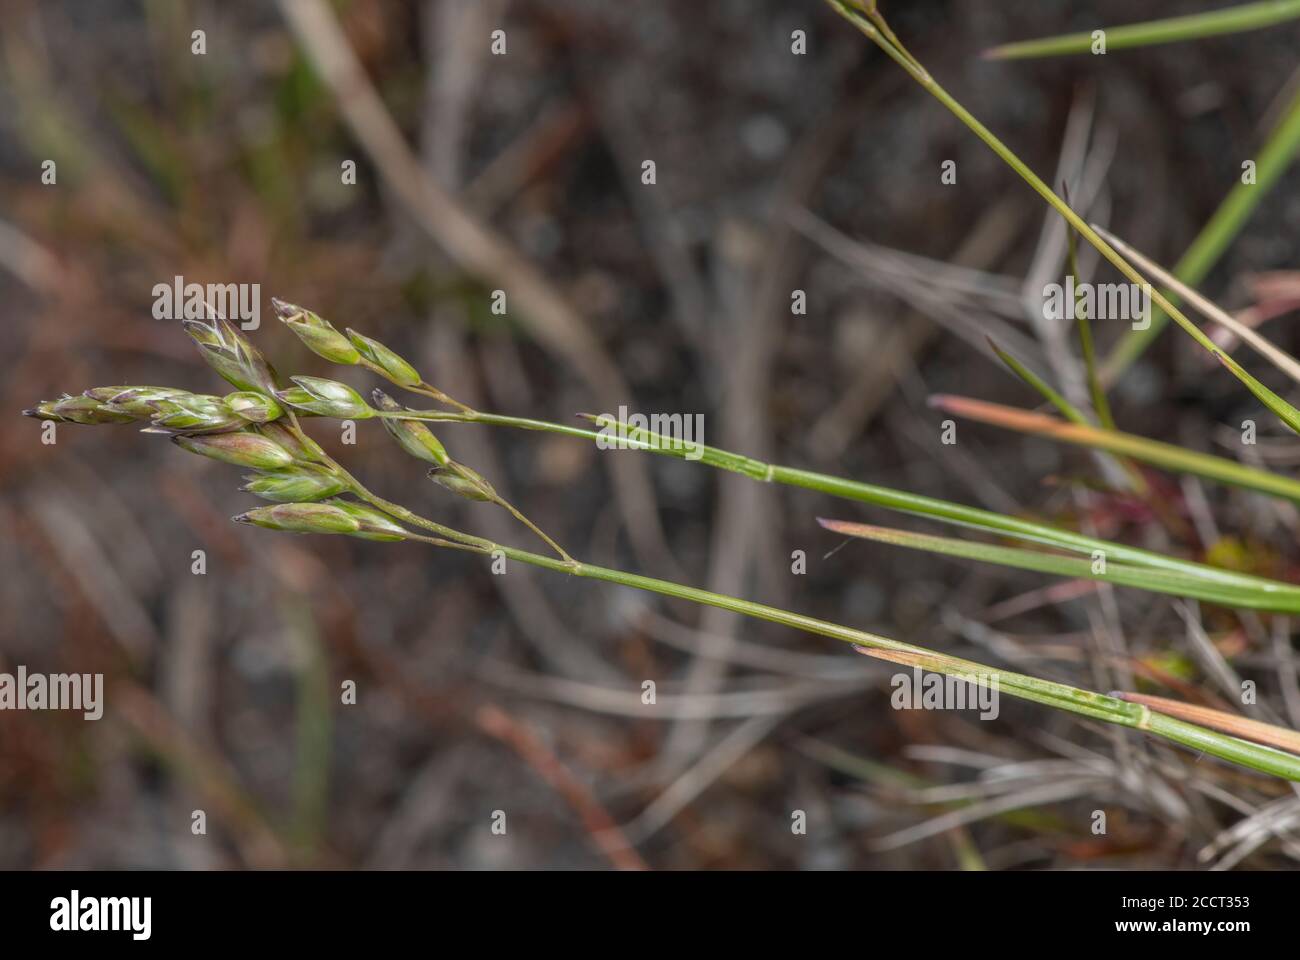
(1250, 591)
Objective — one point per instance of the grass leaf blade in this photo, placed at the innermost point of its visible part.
(1242, 727)
(1212, 23)
(1165, 455)
(1103, 569)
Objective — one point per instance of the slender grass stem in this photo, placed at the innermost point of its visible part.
(392, 509)
(1287, 413)
(484, 548)
(1061, 696)
(400, 512)
(1210, 310)
(1273, 159)
(429, 390)
(493, 497)
(1096, 391)
(423, 388)
(468, 415)
(1261, 592)
(1058, 695)
(1083, 323)
(617, 435)
(1041, 386)
(510, 507)
(541, 534)
(1068, 410)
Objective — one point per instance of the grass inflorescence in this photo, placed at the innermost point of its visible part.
(260, 426)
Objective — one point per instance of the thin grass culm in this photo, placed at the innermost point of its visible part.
(260, 427)
(867, 19)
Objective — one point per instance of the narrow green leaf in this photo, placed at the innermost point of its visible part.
(1213, 23)
(1059, 696)
(903, 501)
(1102, 568)
(1083, 323)
(1275, 736)
(871, 28)
(1283, 410)
(1165, 455)
(1208, 309)
(1068, 410)
(1271, 161)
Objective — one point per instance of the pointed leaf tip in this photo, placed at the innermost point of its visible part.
(838, 526)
